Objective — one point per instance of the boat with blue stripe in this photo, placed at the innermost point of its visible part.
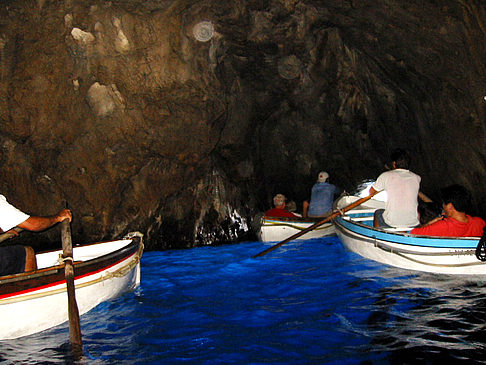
(397, 247)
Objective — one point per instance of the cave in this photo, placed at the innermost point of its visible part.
(181, 119)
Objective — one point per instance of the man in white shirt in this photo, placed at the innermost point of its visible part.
(402, 187)
(15, 259)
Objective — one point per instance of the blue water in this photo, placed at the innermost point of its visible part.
(308, 302)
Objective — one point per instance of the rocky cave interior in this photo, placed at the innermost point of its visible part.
(181, 119)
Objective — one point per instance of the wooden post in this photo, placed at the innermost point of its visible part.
(67, 254)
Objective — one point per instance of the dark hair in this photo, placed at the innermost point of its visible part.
(458, 195)
(401, 158)
(428, 211)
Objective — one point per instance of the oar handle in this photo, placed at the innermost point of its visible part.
(320, 223)
(9, 234)
(73, 312)
(67, 243)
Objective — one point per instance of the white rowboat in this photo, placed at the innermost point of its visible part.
(35, 301)
(274, 229)
(396, 247)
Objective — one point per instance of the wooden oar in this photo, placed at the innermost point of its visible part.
(320, 223)
(9, 234)
(67, 254)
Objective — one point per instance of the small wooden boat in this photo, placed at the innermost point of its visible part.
(35, 301)
(279, 228)
(396, 247)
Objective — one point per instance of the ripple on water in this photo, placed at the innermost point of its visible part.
(306, 302)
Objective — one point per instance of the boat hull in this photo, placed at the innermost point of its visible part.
(36, 301)
(441, 255)
(275, 229)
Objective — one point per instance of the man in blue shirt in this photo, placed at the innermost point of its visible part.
(322, 197)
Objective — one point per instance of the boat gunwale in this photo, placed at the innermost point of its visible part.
(309, 220)
(384, 245)
(409, 255)
(295, 225)
(387, 236)
(9, 284)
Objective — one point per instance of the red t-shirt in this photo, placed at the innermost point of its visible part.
(453, 228)
(279, 212)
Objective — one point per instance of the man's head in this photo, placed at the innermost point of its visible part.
(291, 206)
(322, 177)
(458, 196)
(428, 211)
(279, 201)
(400, 158)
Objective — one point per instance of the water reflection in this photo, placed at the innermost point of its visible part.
(310, 302)
(428, 318)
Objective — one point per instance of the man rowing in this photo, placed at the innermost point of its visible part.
(16, 259)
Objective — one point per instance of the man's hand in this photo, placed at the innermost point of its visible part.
(63, 214)
(13, 232)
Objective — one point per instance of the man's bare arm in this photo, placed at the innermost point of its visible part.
(37, 224)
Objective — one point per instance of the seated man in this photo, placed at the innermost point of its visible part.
(322, 197)
(455, 202)
(427, 211)
(402, 187)
(279, 210)
(292, 207)
(16, 259)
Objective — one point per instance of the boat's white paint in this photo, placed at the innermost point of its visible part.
(80, 253)
(37, 310)
(273, 229)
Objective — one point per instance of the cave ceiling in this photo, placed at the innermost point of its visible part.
(182, 119)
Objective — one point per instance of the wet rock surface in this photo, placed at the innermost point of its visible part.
(181, 119)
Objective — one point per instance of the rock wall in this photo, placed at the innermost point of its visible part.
(181, 119)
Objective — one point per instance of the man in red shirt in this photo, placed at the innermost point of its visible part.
(455, 202)
(279, 210)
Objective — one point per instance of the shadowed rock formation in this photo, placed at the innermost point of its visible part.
(181, 119)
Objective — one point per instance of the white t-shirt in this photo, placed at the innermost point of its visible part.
(402, 187)
(9, 215)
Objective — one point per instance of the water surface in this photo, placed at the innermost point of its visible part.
(308, 302)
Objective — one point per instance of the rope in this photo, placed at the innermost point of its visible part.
(61, 260)
(120, 272)
(325, 226)
(481, 248)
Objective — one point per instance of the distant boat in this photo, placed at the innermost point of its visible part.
(396, 247)
(272, 229)
(35, 301)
